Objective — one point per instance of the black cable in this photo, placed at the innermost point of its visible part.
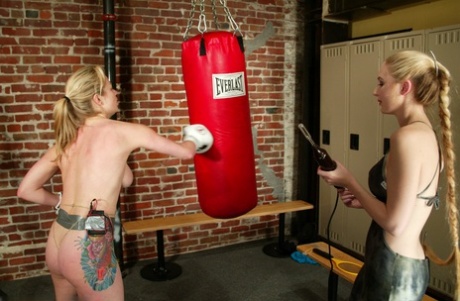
(328, 231)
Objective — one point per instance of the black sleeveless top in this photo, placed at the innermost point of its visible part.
(378, 184)
(377, 180)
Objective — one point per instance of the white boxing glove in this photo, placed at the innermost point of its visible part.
(200, 135)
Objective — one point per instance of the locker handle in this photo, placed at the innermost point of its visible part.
(354, 141)
(326, 137)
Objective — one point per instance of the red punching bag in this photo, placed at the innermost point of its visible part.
(214, 71)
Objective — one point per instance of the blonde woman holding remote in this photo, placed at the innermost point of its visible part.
(404, 183)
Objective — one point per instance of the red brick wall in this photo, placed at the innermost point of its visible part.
(43, 42)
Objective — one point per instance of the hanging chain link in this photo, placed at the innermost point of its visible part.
(190, 19)
(230, 19)
(202, 27)
(214, 13)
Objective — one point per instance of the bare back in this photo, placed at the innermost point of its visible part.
(412, 167)
(93, 168)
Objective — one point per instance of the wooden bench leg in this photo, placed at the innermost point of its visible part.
(161, 270)
(277, 249)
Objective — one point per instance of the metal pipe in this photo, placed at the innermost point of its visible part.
(109, 40)
(109, 18)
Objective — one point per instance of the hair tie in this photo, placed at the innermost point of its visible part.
(435, 63)
(67, 100)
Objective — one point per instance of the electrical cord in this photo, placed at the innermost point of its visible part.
(328, 232)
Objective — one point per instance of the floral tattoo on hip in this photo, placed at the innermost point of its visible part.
(98, 260)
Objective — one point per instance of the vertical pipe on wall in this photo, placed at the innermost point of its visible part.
(308, 114)
(109, 18)
(109, 40)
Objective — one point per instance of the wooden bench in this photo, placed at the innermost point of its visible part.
(350, 276)
(161, 270)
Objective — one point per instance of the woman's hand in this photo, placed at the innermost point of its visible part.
(339, 177)
(349, 198)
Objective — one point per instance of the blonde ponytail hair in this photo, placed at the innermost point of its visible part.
(432, 84)
(71, 111)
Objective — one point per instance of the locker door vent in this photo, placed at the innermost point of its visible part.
(400, 44)
(450, 37)
(334, 236)
(334, 52)
(441, 285)
(357, 247)
(364, 48)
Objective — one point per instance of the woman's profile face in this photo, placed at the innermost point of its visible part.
(387, 91)
(110, 97)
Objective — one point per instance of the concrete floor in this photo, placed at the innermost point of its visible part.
(235, 273)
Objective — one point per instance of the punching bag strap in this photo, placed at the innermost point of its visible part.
(240, 42)
(202, 47)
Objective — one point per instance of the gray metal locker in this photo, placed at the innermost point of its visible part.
(333, 125)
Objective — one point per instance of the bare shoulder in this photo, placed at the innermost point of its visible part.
(51, 155)
(412, 140)
(133, 135)
(51, 152)
(131, 129)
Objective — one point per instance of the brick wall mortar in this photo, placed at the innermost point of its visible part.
(43, 42)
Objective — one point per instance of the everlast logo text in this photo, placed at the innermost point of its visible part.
(228, 85)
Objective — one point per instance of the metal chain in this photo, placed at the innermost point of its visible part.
(190, 19)
(214, 13)
(202, 28)
(230, 19)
